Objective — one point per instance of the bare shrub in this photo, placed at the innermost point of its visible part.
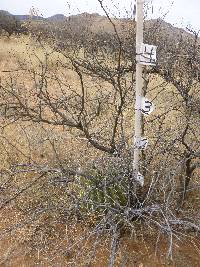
(78, 170)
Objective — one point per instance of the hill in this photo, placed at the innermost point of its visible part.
(98, 23)
(9, 23)
(57, 17)
(28, 17)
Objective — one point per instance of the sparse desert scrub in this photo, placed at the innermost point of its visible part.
(66, 160)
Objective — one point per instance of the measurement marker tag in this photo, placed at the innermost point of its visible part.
(140, 179)
(147, 106)
(141, 143)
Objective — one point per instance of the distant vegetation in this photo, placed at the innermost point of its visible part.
(10, 24)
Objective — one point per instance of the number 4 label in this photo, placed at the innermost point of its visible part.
(147, 55)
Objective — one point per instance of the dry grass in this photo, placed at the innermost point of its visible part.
(27, 142)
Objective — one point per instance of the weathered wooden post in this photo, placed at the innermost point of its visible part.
(145, 55)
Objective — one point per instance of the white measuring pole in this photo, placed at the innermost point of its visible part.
(139, 86)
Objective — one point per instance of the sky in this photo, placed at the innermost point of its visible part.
(181, 13)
